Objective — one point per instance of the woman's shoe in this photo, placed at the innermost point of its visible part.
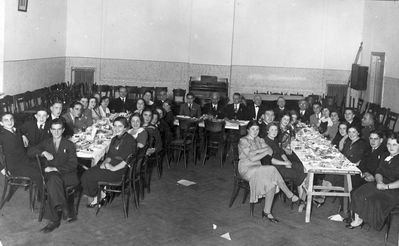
(91, 205)
(301, 206)
(319, 201)
(353, 227)
(271, 219)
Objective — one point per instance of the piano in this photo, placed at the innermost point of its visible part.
(204, 86)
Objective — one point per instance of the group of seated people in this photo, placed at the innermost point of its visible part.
(265, 156)
(145, 133)
(266, 159)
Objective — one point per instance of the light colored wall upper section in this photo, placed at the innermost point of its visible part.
(381, 34)
(298, 33)
(284, 33)
(37, 33)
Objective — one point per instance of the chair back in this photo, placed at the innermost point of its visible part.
(132, 92)
(382, 115)
(391, 120)
(39, 164)
(3, 162)
(188, 128)
(214, 126)
(179, 95)
(7, 103)
(158, 90)
(243, 130)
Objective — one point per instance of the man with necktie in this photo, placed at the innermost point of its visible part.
(256, 109)
(35, 131)
(190, 108)
(281, 110)
(60, 171)
(215, 107)
(74, 120)
(236, 110)
(122, 104)
(304, 112)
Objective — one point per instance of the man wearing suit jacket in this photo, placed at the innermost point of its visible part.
(256, 109)
(304, 112)
(35, 131)
(122, 104)
(161, 98)
(314, 118)
(190, 108)
(266, 119)
(74, 119)
(215, 107)
(18, 163)
(281, 110)
(236, 110)
(86, 112)
(60, 171)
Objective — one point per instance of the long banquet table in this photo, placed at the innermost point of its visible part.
(319, 157)
(230, 124)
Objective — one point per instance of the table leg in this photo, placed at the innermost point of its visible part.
(309, 197)
(347, 189)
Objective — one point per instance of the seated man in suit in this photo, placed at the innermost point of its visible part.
(266, 119)
(86, 112)
(122, 104)
(236, 110)
(161, 98)
(190, 108)
(18, 163)
(256, 109)
(351, 119)
(316, 116)
(74, 120)
(281, 110)
(35, 131)
(304, 112)
(215, 107)
(60, 171)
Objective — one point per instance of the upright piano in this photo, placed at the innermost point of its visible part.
(204, 86)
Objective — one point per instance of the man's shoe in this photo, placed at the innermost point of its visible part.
(51, 226)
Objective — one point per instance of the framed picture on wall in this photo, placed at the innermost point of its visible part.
(22, 5)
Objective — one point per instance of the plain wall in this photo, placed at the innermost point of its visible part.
(34, 45)
(287, 45)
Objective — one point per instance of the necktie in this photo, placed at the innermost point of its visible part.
(56, 145)
(189, 107)
(123, 99)
(214, 107)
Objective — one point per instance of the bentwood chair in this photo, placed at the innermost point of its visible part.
(186, 142)
(214, 139)
(122, 187)
(70, 193)
(12, 183)
(391, 120)
(238, 184)
(394, 212)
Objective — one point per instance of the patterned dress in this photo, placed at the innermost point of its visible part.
(262, 179)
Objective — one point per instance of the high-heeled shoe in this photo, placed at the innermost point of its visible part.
(349, 226)
(273, 220)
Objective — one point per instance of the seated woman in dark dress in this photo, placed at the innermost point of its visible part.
(114, 165)
(354, 149)
(292, 170)
(285, 132)
(372, 202)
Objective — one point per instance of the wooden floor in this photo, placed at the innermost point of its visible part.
(177, 215)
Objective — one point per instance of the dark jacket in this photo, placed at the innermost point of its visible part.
(195, 111)
(118, 106)
(34, 134)
(65, 159)
(371, 160)
(305, 117)
(218, 113)
(240, 115)
(13, 149)
(252, 112)
(278, 113)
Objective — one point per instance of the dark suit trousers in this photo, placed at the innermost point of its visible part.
(56, 199)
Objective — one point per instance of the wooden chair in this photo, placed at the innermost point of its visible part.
(122, 187)
(373, 108)
(7, 104)
(391, 120)
(70, 193)
(393, 212)
(359, 107)
(188, 131)
(12, 183)
(133, 92)
(382, 116)
(214, 139)
(238, 184)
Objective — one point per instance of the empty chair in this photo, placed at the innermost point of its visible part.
(382, 116)
(143, 89)
(7, 104)
(359, 107)
(106, 90)
(214, 139)
(132, 92)
(179, 95)
(158, 90)
(394, 212)
(391, 120)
